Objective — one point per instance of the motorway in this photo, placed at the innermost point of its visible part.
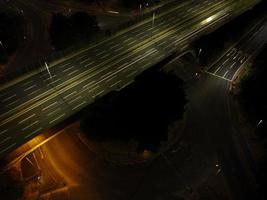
(47, 98)
(232, 61)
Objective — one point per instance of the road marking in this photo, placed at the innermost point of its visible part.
(6, 99)
(217, 70)
(4, 131)
(104, 56)
(232, 65)
(65, 70)
(49, 106)
(76, 70)
(30, 87)
(89, 63)
(3, 94)
(61, 66)
(4, 140)
(54, 81)
(65, 97)
(115, 46)
(34, 132)
(84, 102)
(57, 118)
(53, 112)
(131, 42)
(100, 53)
(33, 92)
(27, 82)
(139, 34)
(115, 83)
(127, 40)
(10, 104)
(102, 91)
(90, 83)
(132, 73)
(26, 118)
(225, 61)
(225, 74)
(10, 146)
(217, 76)
(26, 127)
(81, 62)
(75, 99)
(49, 78)
(91, 89)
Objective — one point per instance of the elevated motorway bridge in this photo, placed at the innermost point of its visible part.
(41, 99)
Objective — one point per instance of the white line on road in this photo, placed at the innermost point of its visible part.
(57, 118)
(102, 91)
(84, 102)
(75, 99)
(89, 63)
(217, 70)
(132, 73)
(65, 97)
(65, 70)
(33, 92)
(26, 118)
(100, 53)
(115, 83)
(49, 106)
(72, 72)
(8, 147)
(27, 82)
(232, 65)
(53, 112)
(6, 99)
(30, 87)
(4, 140)
(81, 62)
(225, 74)
(90, 83)
(34, 132)
(10, 104)
(4, 131)
(26, 127)
(225, 61)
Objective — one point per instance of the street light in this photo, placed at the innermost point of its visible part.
(259, 123)
(140, 7)
(1, 44)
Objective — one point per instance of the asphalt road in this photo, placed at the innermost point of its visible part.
(229, 65)
(40, 101)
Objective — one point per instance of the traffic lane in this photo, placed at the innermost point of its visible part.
(36, 124)
(54, 74)
(60, 71)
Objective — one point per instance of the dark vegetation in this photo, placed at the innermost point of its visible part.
(68, 30)
(142, 111)
(228, 34)
(254, 99)
(11, 33)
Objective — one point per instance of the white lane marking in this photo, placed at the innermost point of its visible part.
(225, 61)
(232, 65)
(139, 34)
(4, 140)
(6, 99)
(115, 50)
(91, 89)
(225, 74)
(57, 118)
(65, 97)
(127, 40)
(7, 148)
(27, 82)
(72, 72)
(33, 92)
(81, 57)
(34, 132)
(53, 112)
(49, 106)
(115, 46)
(10, 104)
(4, 131)
(54, 81)
(89, 63)
(49, 78)
(61, 66)
(28, 88)
(3, 94)
(26, 118)
(217, 70)
(132, 73)
(75, 99)
(81, 62)
(90, 83)
(26, 127)
(132, 42)
(100, 53)
(163, 42)
(104, 56)
(102, 91)
(115, 83)
(84, 102)
(65, 70)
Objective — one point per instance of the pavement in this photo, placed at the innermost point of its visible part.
(47, 98)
